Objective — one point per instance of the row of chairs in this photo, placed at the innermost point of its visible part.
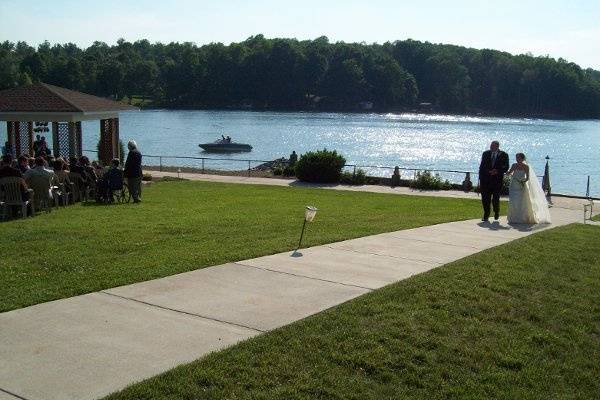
(43, 194)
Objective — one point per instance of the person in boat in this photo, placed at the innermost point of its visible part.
(228, 139)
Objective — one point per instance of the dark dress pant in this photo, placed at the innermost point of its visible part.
(490, 193)
(135, 188)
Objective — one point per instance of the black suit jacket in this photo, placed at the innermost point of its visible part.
(133, 164)
(8, 172)
(501, 165)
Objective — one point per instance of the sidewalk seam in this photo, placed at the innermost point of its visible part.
(387, 255)
(13, 394)
(301, 276)
(182, 312)
(434, 242)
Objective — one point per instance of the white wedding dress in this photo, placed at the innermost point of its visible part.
(527, 202)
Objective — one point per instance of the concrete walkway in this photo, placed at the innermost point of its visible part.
(88, 346)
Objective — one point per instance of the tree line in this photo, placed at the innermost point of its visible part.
(287, 74)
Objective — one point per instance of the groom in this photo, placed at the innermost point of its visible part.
(493, 166)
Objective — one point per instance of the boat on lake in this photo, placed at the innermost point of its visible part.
(225, 145)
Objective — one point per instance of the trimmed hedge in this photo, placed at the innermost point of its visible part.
(425, 180)
(351, 178)
(321, 166)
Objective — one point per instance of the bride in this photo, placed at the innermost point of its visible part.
(526, 199)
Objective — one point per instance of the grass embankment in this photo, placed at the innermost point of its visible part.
(521, 321)
(181, 226)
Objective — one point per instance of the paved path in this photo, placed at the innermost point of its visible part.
(88, 346)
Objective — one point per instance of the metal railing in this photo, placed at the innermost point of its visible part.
(202, 164)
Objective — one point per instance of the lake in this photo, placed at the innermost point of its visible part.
(443, 142)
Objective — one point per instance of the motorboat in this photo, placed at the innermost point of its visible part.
(225, 145)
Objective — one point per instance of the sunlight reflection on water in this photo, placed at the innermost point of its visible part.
(407, 140)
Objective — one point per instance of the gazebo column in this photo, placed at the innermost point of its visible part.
(20, 137)
(17, 133)
(78, 138)
(109, 140)
(55, 143)
(117, 148)
(72, 140)
(11, 127)
(30, 137)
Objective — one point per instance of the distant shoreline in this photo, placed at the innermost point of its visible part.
(549, 117)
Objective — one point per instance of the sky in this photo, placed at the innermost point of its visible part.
(567, 29)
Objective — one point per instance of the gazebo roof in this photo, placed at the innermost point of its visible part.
(43, 102)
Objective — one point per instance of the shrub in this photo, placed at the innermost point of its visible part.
(277, 171)
(321, 166)
(426, 180)
(351, 178)
(172, 179)
(289, 171)
(146, 177)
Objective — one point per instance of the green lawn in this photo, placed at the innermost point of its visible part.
(596, 217)
(521, 321)
(181, 226)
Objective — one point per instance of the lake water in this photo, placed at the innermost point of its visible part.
(406, 140)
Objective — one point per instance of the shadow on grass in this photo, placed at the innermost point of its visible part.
(102, 204)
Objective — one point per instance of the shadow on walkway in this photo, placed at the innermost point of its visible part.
(497, 226)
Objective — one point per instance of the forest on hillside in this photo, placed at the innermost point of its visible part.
(287, 74)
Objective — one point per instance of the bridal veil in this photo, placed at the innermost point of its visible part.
(538, 199)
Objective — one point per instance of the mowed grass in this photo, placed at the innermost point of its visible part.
(181, 226)
(521, 321)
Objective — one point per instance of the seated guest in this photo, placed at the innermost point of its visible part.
(23, 163)
(114, 176)
(75, 167)
(65, 165)
(90, 172)
(113, 179)
(6, 149)
(6, 168)
(98, 168)
(61, 174)
(62, 177)
(40, 169)
(8, 171)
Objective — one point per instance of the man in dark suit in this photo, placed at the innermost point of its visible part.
(133, 171)
(493, 166)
